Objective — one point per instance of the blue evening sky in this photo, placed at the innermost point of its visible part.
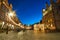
(29, 11)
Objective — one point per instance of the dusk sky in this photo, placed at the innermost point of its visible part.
(29, 11)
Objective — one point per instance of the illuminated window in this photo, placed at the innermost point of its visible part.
(51, 20)
(48, 20)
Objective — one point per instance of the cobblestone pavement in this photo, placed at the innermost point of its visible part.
(29, 35)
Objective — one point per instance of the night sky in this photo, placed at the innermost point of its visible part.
(29, 11)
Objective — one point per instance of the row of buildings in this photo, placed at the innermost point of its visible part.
(8, 15)
(50, 20)
(51, 17)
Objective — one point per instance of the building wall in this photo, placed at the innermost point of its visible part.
(57, 15)
(36, 27)
(5, 9)
(50, 19)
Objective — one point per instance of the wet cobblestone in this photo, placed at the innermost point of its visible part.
(29, 35)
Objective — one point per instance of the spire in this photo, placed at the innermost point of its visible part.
(47, 5)
(51, 1)
(10, 6)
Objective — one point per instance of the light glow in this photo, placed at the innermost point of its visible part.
(10, 14)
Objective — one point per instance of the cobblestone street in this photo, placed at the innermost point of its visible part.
(29, 35)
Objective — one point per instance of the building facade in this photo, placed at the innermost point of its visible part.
(5, 7)
(5, 14)
(51, 15)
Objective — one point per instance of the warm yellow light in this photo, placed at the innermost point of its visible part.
(3, 23)
(11, 14)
